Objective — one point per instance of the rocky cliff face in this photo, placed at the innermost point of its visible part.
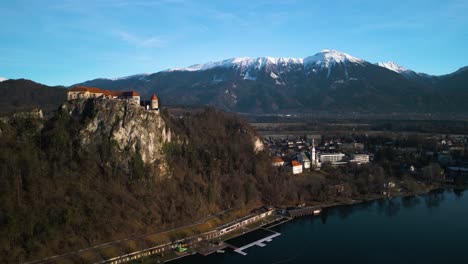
(129, 127)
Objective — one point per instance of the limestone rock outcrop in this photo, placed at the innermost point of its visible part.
(131, 128)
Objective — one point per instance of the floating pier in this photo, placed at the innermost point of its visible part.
(260, 243)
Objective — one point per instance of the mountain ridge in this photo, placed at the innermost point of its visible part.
(263, 60)
(329, 81)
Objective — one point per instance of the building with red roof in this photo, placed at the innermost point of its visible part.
(277, 161)
(296, 167)
(84, 92)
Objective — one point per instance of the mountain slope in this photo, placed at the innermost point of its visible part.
(329, 81)
(457, 81)
(23, 95)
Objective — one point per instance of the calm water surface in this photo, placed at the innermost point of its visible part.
(430, 228)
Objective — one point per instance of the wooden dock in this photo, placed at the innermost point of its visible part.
(303, 211)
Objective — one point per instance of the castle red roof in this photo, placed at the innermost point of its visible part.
(277, 160)
(86, 89)
(295, 163)
(154, 97)
(107, 92)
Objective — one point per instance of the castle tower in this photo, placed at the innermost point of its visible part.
(154, 102)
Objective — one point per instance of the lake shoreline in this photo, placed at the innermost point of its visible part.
(295, 231)
(426, 190)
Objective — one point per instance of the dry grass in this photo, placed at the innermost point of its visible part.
(110, 252)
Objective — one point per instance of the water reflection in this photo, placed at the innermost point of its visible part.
(458, 193)
(434, 198)
(345, 211)
(324, 216)
(410, 201)
(365, 205)
(392, 207)
(381, 205)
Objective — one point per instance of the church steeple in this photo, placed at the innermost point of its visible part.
(313, 155)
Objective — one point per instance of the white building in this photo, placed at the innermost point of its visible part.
(359, 158)
(302, 157)
(330, 157)
(296, 167)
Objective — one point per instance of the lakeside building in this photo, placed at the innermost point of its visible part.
(352, 147)
(302, 157)
(84, 92)
(359, 158)
(251, 218)
(296, 167)
(330, 157)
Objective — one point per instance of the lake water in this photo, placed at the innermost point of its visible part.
(430, 228)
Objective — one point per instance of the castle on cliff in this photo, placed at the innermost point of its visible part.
(84, 92)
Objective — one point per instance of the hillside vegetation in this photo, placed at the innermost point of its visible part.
(24, 95)
(57, 196)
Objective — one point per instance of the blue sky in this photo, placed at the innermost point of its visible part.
(65, 42)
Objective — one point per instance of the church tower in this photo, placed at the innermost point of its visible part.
(313, 156)
(154, 102)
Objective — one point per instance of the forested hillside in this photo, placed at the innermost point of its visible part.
(57, 195)
(24, 95)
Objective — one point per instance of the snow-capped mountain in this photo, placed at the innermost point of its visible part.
(407, 73)
(393, 66)
(249, 67)
(323, 59)
(140, 76)
(241, 62)
(3, 79)
(326, 64)
(328, 80)
(328, 58)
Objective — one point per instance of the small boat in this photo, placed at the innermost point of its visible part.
(317, 211)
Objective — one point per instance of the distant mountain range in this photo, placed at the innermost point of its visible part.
(329, 81)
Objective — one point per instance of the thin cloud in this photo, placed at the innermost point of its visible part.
(148, 42)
